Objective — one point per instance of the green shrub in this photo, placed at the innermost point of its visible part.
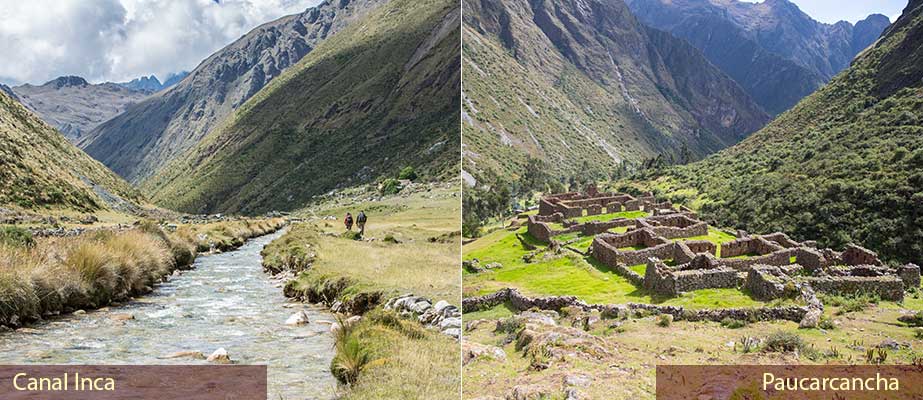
(408, 173)
(509, 325)
(826, 323)
(390, 186)
(16, 236)
(732, 323)
(664, 320)
(784, 342)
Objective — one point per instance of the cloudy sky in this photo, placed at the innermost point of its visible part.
(831, 11)
(119, 40)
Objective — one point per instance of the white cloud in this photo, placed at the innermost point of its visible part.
(117, 40)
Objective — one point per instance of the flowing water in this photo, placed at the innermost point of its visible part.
(226, 301)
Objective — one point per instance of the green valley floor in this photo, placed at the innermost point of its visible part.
(572, 352)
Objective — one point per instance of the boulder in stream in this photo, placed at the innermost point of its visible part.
(220, 356)
(298, 318)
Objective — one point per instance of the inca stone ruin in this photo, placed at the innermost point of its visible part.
(769, 266)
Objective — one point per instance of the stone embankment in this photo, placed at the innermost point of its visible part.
(520, 302)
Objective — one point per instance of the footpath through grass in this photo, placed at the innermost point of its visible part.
(411, 245)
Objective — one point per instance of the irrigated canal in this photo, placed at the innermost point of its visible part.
(225, 302)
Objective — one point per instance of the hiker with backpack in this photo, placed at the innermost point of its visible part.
(360, 221)
(348, 221)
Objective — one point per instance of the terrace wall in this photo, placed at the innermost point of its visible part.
(886, 287)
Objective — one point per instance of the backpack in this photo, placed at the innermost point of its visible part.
(361, 218)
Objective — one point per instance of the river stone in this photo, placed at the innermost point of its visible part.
(353, 320)
(453, 332)
(197, 355)
(298, 318)
(79, 312)
(121, 317)
(220, 356)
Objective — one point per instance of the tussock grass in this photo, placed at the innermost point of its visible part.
(58, 275)
(400, 363)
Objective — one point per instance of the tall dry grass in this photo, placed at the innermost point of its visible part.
(58, 275)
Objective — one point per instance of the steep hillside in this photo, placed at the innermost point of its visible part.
(773, 49)
(844, 165)
(136, 143)
(39, 168)
(583, 86)
(74, 106)
(378, 95)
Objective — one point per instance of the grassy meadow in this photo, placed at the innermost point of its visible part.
(411, 245)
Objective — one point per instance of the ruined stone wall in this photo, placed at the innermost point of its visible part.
(701, 246)
(748, 245)
(855, 255)
(522, 303)
(811, 259)
(721, 277)
(597, 227)
(767, 282)
(910, 274)
(886, 287)
(539, 230)
(672, 232)
(632, 205)
(778, 258)
(781, 239)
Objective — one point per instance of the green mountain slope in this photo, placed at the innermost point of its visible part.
(378, 95)
(584, 86)
(844, 165)
(39, 168)
(140, 141)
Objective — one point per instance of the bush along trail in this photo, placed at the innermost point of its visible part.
(389, 343)
(48, 276)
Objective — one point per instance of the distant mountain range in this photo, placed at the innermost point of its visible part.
(137, 143)
(74, 106)
(844, 165)
(776, 52)
(152, 84)
(584, 86)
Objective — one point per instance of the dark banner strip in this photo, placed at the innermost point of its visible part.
(758, 382)
(141, 382)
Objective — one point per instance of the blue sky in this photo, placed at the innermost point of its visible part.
(831, 11)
